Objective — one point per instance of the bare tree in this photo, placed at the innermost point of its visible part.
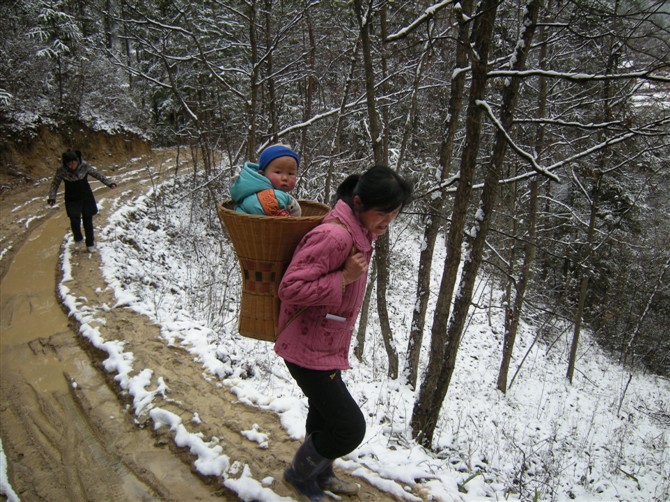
(433, 387)
(380, 153)
(435, 208)
(516, 288)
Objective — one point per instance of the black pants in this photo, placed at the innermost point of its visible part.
(334, 419)
(75, 224)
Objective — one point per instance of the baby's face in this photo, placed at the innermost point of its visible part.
(282, 173)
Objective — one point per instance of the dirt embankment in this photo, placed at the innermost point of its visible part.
(28, 157)
(66, 426)
(27, 163)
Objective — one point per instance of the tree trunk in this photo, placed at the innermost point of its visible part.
(382, 253)
(108, 23)
(269, 69)
(427, 408)
(380, 156)
(584, 281)
(513, 311)
(428, 401)
(310, 81)
(413, 104)
(336, 145)
(436, 208)
(368, 64)
(253, 84)
(584, 268)
(365, 311)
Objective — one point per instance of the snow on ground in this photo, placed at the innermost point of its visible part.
(599, 439)
(5, 488)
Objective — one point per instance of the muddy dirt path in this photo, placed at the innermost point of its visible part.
(66, 433)
(65, 424)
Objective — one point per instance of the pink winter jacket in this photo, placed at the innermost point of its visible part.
(317, 315)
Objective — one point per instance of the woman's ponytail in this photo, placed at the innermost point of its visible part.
(380, 188)
(346, 191)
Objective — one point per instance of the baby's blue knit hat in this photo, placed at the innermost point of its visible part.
(274, 152)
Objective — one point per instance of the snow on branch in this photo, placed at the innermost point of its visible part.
(427, 15)
(579, 77)
(316, 118)
(441, 185)
(520, 151)
(647, 129)
(611, 141)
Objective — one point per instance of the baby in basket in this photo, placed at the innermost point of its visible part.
(263, 188)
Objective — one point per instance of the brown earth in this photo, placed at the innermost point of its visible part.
(65, 423)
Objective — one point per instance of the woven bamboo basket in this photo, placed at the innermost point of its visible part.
(264, 246)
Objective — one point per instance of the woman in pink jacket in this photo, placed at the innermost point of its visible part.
(321, 293)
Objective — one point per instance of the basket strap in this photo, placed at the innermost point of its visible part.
(340, 224)
(295, 316)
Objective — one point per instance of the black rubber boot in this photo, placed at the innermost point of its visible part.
(304, 469)
(328, 481)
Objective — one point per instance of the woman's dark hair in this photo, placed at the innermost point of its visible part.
(380, 188)
(70, 155)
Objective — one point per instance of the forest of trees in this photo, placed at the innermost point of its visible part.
(537, 133)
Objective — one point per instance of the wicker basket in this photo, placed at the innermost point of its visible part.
(264, 246)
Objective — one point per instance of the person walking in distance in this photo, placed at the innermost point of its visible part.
(80, 203)
(321, 295)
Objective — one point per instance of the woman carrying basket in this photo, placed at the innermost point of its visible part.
(321, 294)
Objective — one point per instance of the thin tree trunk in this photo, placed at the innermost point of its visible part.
(383, 247)
(336, 145)
(310, 81)
(384, 112)
(436, 207)
(269, 69)
(253, 84)
(365, 312)
(513, 312)
(108, 22)
(429, 408)
(382, 266)
(127, 49)
(380, 156)
(511, 280)
(584, 281)
(414, 103)
(584, 270)
(59, 74)
(368, 64)
(429, 399)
